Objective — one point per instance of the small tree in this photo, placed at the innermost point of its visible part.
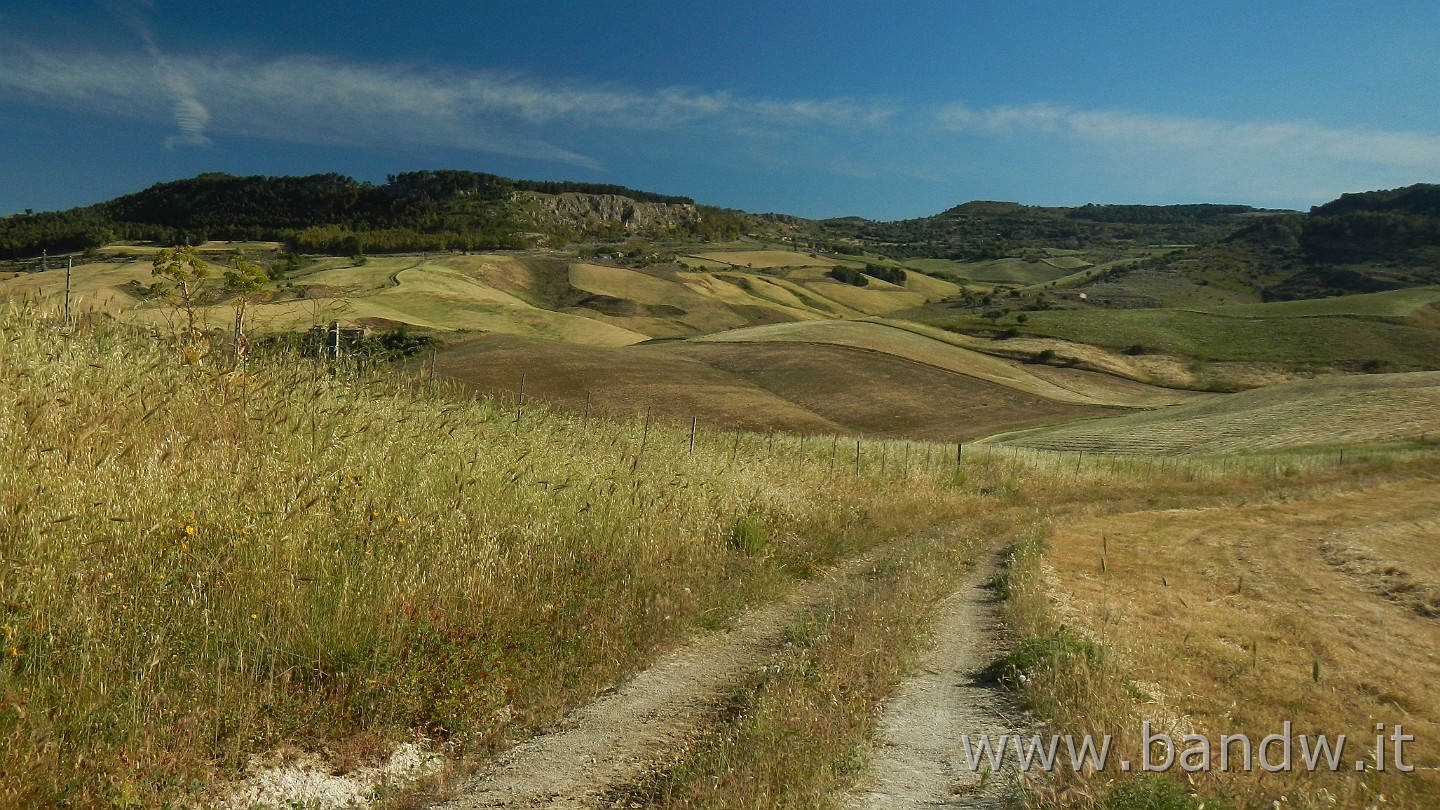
(245, 281)
(181, 272)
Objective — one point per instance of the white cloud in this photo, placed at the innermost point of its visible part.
(330, 102)
(1410, 150)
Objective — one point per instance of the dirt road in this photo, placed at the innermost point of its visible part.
(917, 760)
(615, 739)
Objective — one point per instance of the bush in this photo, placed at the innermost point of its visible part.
(894, 275)
(1039, 653)
(748, 536)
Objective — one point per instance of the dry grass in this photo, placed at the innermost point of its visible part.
(1334, 411)
(204, 563)
(1229, 614)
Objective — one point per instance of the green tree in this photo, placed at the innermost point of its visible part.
(181, 272)
(246, 280)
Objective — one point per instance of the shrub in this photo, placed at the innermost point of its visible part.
(847, 275)
(748, 536)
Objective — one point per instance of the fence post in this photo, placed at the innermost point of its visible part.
(692, 435)
(520, 404)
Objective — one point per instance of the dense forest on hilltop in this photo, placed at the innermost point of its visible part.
(425, 210)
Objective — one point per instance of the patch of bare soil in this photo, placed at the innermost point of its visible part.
(918, 759)
(627, 732)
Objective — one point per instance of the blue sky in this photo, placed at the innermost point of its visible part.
(883, 109)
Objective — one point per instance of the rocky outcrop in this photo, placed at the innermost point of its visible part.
(582, 210)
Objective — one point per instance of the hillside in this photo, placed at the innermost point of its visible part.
(1335, 412)
(807, 377)
(1359, 243)
(1365, 242)
(978, 231)
(331, 213)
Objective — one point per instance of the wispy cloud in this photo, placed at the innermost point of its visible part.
(1412, 150)
(330, 102)
(191, 116)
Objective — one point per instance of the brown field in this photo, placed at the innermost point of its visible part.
(782, 386)
(1316, 604)
(1073, 386)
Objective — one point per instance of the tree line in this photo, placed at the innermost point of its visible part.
(423, 210)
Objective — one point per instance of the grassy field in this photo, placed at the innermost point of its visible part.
(204, 563)
(767, 259)
(1269, 333)
(1395, 303)
(531, 294)
(1323, 412)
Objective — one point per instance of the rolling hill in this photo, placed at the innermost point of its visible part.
(1331, 411)
(846, 377)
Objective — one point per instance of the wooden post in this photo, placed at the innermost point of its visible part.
(959, 454)
(335, 341)
(585, 420)
(69, 265)
(834, 444)
(692, 435)
(520, 404)
(857, 458)
(645, 433)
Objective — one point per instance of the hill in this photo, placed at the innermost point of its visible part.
(1359, 243)
(809, 377)
(1334, 411)
(331, 213)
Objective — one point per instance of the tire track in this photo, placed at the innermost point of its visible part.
(621, 735)
(917, 760)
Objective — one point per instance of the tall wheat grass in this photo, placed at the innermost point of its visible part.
(199, 563)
